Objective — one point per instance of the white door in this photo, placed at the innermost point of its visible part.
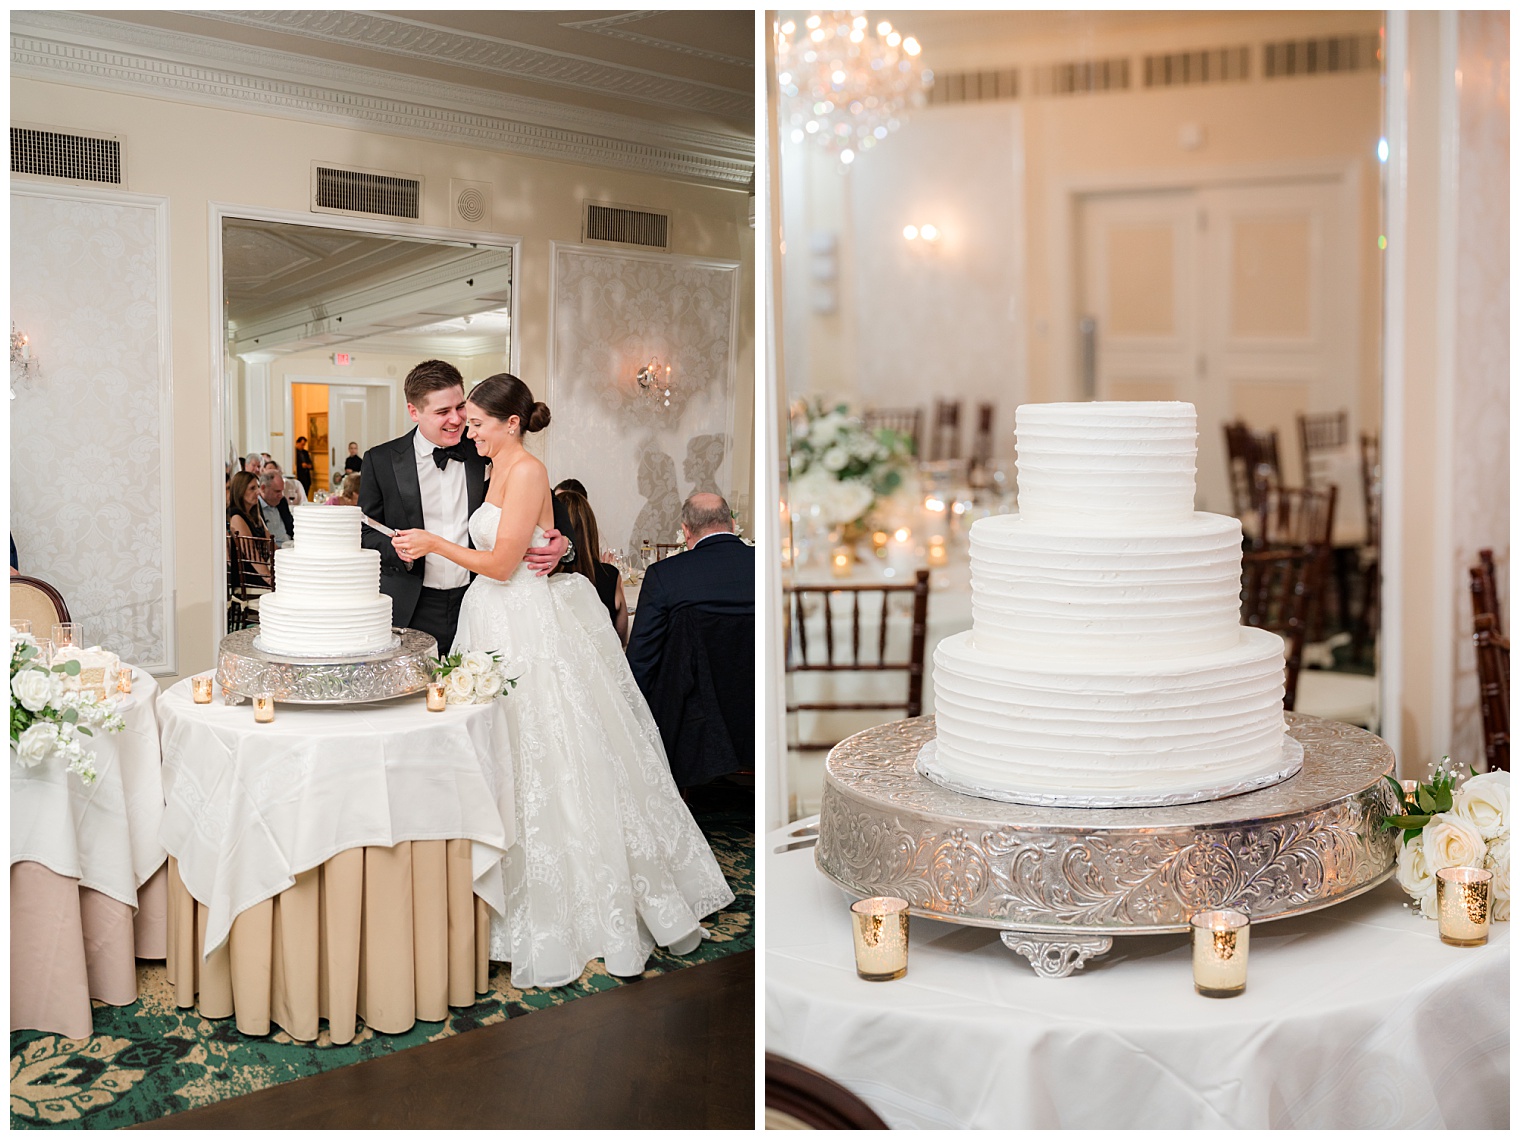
(346, 422)
(1239, 299)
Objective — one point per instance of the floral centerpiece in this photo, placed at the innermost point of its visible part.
(474, 677)
(1454, 826)
(838, 467)
(47, 722)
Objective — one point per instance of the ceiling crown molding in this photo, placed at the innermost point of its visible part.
(612, 26)
(67, 47)
(418, 40)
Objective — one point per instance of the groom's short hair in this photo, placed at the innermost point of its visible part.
(430, 376)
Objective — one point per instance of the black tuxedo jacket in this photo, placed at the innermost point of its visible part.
(390, 494)
(718, 574)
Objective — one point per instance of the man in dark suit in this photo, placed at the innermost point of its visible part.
(716, 573)
(431, 478)
(304, 465)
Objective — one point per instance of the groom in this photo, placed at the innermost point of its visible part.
(432, 478)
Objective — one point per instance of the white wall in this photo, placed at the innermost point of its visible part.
(195, 156)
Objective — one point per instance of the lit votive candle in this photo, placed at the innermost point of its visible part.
(200, 690)
(937, 555)
(1221, 940)
(263, 709)
(124, 681)
(879, 543)
(68, 633)
(1411, 787)
(839, 562)
(881, 938)
(435, 698)
(21, 625)
(1462, 897)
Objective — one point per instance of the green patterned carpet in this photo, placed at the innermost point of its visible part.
(151, 1058)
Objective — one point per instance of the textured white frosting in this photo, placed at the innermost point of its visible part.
(1080, 594)
(327, 600)
(1123, 464)
(1106, 656)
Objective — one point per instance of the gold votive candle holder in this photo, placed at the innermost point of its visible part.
(1221, 942)
(200, 690)
(1462, 905)
(881, 938)
(124, 681)
(840, 560)
(1411, 788)
(263, 708)
(937, 553)
(436, 701)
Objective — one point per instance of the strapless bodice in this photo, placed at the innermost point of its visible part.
(484, 524)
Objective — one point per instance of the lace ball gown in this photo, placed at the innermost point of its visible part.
(608, 860)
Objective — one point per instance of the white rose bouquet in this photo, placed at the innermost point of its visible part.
(1454, 826)
(839, 466)
(48, 723)
(472, 678)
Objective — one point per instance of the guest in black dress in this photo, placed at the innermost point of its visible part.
(605, 577)
(245, 518)
(354, 461)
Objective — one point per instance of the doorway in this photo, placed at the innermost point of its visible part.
(1239, 299)
(332, 416)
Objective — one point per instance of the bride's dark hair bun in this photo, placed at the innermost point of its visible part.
(503, 396)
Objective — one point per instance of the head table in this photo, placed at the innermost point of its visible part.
(87, 888)
(1353, 1017)
(369, 834)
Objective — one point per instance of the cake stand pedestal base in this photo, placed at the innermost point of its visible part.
(244, 671)
(1061, 883)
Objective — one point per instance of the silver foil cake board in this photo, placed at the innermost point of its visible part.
(243, 671)
(1061, 882)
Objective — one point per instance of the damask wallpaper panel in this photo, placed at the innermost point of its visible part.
(90, 469)
(612, 313)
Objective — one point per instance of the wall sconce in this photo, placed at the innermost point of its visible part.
(925, 236)
(653, 382)
(23, 363)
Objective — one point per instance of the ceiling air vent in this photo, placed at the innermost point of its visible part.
(1080, 77)
(369, 192)
(974, 86)
(1320, 56)
(626, 225)
(64, 154)
(1185, 68)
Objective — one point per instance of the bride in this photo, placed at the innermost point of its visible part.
(608, 859)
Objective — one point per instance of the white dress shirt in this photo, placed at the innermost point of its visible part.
(445, 512)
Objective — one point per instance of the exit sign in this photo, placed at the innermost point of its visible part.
(342, 358)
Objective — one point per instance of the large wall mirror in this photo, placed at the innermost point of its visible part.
(1085, 205)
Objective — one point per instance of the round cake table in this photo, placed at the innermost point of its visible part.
(1353, 1017)
(335, 863)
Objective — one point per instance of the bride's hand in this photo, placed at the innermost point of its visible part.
(411, 545)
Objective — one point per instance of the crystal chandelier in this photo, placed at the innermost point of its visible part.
(653, 382)
(843, 85)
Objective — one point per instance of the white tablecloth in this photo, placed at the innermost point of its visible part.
(104, 835)
(1355, 1017)
(251, 805)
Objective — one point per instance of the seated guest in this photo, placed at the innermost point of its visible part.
(606, 579)
(348, 495)
(275, 510)
(716, 573)
(245, 518)
(295, 494)
(354, 462)
(254, 464)
(572, 485)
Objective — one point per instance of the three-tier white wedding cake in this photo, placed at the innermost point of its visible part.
(327, 600)
(1106, 664)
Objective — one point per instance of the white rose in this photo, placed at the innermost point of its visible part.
(33, 688)
(1498, 863)
(1484, 802)
(822, 433)
(37, 743)
(1414, 874)
(1451, 841)
(800, 430)
(488, 685)
(477, 661)
(459, 687)
(836, 459)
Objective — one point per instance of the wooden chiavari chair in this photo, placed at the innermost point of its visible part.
(803, 657)
(1493, 662)
(1279, 588)
(945, 442)
(1369, 558)
(250, 575)
(1319, 433)
(904, 421)
(1252, 459)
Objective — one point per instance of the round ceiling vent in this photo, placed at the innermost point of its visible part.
(471, 204)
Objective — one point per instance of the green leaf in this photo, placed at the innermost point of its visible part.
(1443, 799)
(1408, 835)
(1408, 822)
(1425, 799)
(70, 716)
(1398, 791)
(71, 668)
(85, 730)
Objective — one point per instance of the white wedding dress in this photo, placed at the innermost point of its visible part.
(608, 860)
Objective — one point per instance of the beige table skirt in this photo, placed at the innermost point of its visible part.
(70, 943)
(392, 935)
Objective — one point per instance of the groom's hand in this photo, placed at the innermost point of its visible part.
(545, 558)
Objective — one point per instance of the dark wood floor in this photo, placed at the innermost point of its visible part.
(676, 1051)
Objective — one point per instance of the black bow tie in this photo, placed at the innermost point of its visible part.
(460, 451)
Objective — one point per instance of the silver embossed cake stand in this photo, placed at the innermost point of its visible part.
(243, 671)
(1062, 883)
